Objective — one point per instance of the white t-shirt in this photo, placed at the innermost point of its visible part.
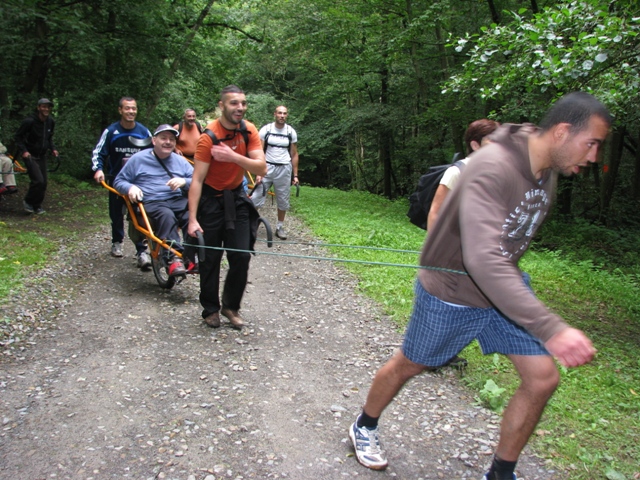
(451, 175)
(278, 142)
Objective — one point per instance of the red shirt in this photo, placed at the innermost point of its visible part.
(222, 175)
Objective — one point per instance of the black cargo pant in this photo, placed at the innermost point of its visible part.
(217, 233)
(37, 170)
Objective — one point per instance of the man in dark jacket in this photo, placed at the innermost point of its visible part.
(34, 138)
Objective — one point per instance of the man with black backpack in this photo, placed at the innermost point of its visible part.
(189, 131)
(279, 143)
(220, 208)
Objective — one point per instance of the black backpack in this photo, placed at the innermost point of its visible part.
(289, 135)
(181, 123)
(420, 200)
(243, 131)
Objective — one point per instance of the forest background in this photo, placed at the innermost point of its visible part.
(378, 91)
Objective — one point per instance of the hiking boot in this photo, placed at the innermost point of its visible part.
(11, 190)
(366, 443)
(144, 261)
(458, 362)
(280, 233)
(39, 211)
(486, 476)
(116, 249)
(213, 320)
(176, 267)
(234, 318)
(28, 208)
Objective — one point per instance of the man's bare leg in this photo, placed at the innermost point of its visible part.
(388, 382)
(539, 379)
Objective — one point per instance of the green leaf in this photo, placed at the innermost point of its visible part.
(614, 475)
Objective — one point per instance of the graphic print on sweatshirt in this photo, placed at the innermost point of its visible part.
(523, 222)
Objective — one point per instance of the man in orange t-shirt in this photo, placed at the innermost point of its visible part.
(220, 208)
(189, 133)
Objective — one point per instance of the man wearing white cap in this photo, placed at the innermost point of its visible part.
(161, 178)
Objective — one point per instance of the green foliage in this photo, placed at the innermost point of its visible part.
(578, 45)
(360, 219)
(493, 396)
(27, 244)
(21, 251)
(604, 248)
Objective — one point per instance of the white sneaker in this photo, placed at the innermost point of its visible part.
(366, 442)
(281, 233)
(116, 249)
(144, 261)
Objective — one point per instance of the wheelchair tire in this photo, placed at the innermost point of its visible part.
(161, 272)
(267, 227)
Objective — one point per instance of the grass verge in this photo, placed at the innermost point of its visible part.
(72, 208)
(591, 427)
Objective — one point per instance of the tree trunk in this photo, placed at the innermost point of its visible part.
(534, 6)
(416, 59)
(456, 131)
(110, 59)
(36, 73)
(494, 12)
(385, 135)
(611, 172)
(565, 189)
(636, 172)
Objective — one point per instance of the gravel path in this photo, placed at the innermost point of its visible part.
(108, 376)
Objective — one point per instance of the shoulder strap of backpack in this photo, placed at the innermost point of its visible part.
(212, 135)
(266, 138)
(243, 131)
(180, 124)
(198, 126)
(245, 134)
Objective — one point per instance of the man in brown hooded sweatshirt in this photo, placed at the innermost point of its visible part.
(470, 286)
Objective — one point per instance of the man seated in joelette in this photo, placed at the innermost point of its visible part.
(161, 178)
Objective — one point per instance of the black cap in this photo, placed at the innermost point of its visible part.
(45, 101)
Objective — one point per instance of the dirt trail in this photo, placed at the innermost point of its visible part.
(122, 380)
